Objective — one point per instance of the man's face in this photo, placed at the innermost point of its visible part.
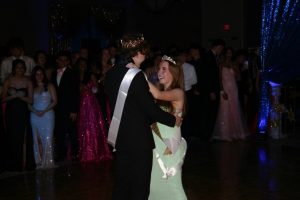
(112, 51)
(16, 51)
(194, 53)
(84, 53)
(219, 49)
(62, 61)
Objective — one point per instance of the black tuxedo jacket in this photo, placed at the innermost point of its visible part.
(68, 95)
(212, 73)
(139, 112)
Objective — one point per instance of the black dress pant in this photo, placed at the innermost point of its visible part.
(132, 175)
(213, 114)
(65, 136)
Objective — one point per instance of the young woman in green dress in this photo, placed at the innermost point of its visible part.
(168, 156)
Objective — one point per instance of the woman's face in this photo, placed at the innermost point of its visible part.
(41, 59)
(228, 53)
(241, 59)
(164, 75)
(82, 65)
(105, 54)
(20, 69)
(39, 76)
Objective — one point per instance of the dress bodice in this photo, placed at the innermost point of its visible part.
(20, 92)
(90, 88)
(41, 100)
(168, 160)
(228, 79)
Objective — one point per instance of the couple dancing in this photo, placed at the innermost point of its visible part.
(142, 172)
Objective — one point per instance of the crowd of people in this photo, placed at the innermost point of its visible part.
(61, 109)
(53, 111)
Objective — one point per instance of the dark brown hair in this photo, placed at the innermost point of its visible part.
(15, 63)
(132, 44)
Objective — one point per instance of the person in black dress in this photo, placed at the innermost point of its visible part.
(17, 93)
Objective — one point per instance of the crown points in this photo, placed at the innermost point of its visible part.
(165, 57)
(132, 43)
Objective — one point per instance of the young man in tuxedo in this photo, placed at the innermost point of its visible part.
(67, 87)
(213, 87)
(135, 143)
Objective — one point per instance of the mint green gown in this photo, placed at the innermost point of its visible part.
(166, 169)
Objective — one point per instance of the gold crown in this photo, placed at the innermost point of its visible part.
(165, 57)
(132, 43)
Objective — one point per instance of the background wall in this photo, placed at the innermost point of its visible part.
(180, 23)
(215, 14)
(183, 22)
(27, 19)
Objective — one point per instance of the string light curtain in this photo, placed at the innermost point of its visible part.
(280, 49)
(58, 37)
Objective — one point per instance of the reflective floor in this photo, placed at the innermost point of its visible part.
(252, 170)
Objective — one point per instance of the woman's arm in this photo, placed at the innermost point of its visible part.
(28, 98)
(222, 91)
(4, 92)
(146, 102)
(31, 109)
(171, 95)
(52, 92)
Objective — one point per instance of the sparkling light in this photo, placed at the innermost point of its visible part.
(279, 36)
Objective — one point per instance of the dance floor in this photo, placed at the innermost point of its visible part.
(252, 170)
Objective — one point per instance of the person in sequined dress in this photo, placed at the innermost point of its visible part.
(104, 65)
(93, 146)
(42, 118)
(230, 124)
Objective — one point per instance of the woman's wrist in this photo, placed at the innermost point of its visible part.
(34, 111)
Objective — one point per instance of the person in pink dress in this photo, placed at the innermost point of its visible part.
(93, 146)
(230, 124)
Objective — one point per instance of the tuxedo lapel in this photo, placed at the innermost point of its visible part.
(63, 78)
(53, 78)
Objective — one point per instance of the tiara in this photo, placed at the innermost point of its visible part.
(165, 57)
(132, 43)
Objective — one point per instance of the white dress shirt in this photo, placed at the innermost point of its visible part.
(189, 74)
(60, 73)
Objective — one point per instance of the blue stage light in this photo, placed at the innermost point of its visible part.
(280, 46)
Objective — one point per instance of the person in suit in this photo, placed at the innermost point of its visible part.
(212, 87)
(67, 86)
(135, 143)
